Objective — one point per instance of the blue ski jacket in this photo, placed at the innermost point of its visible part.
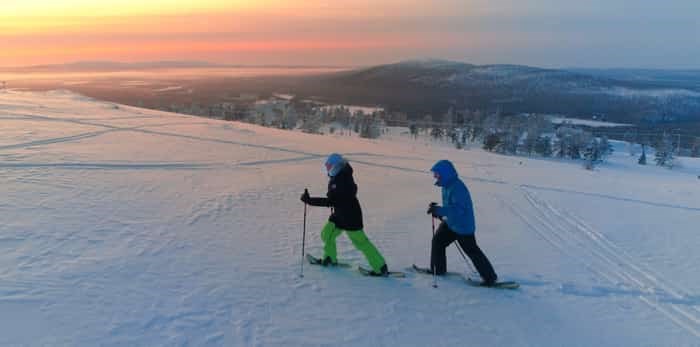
(457, 209)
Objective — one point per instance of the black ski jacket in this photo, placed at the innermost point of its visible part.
(342, 198)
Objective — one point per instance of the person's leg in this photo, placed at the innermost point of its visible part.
(328, 235)
(443, 238)
(364, 245)
(482, 264)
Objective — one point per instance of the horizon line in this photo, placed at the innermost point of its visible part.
(205, 64)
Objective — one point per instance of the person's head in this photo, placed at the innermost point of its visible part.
(334, 164)
(443, 172)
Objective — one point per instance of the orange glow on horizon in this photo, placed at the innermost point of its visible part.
(49, 32)
(194, 46)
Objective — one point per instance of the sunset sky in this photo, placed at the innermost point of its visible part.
(548, 33)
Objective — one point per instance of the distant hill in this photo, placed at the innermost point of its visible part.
(634, 96)
(689, 79)
(433, 86)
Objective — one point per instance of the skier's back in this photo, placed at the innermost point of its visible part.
(458, 223)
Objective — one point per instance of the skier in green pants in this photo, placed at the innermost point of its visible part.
(346, 215)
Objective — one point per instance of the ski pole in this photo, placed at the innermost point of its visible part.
(469, 264)
(303, 238)
(433, 265)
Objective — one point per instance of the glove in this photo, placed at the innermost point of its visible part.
(305, 198)
(433, 209)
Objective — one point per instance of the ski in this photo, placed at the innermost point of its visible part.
(470, 281)
(317, 261)
(497, 285)
(367, 272)
(427, 271)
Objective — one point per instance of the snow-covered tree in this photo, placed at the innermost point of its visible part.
(509, 142)
(535, 126)
(561, 145)
(590, 156)
(460, 137)
(311, 123)
(543, 146)
(289, 118)
(492, 141)
(476, 126)
(437, 132)
(596, 151)
(605, 148)
(370, 127)
(491, 124)
(413, 128)
(427, 124)
(629, 138)
(570, 141)
(695, 150)
(643, 158)
(529, 143)
(464, 136)
(664, 152)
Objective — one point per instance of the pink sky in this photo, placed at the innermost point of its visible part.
(352, 32)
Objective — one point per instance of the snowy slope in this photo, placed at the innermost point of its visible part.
(124, 226)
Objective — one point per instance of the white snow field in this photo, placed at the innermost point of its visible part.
(129, 227)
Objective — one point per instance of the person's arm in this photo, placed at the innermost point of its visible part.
(314, 201)
(459, 206)
(319, 201)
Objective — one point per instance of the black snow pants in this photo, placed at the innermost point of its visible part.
(444, 237)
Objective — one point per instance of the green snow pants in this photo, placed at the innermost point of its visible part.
(358, 239)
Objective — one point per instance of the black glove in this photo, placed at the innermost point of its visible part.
(305, 198)
(433, 209)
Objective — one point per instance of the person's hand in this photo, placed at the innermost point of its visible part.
(433, 209)
(305, 197)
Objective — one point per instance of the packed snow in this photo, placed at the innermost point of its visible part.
(126, 226)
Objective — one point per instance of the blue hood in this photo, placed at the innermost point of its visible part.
(334, 164)
(447, 172)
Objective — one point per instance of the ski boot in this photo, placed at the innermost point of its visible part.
(383, 272)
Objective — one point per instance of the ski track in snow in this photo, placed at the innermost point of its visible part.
(56, 140)
(141, 129)
(573, 237)
(610, 197)
(107, 166)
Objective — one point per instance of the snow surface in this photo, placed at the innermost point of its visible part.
(654, 93)
(168, 89)
(588, 122)
(125, 226)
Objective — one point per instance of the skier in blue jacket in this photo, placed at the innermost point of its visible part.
(457, 216)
